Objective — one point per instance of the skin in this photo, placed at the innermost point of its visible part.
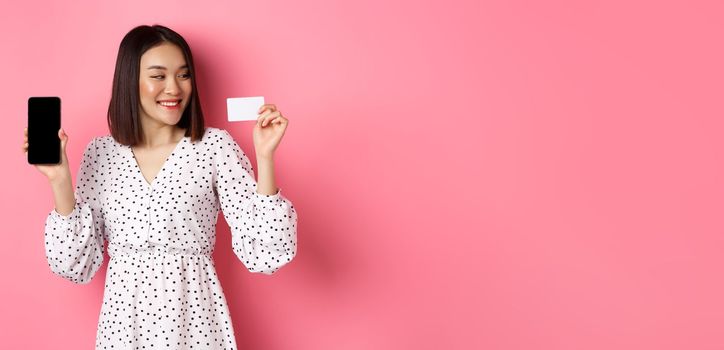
(160, 132)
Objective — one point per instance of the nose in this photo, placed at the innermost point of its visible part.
(172, 87)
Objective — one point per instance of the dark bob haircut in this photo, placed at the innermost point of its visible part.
(123, 111)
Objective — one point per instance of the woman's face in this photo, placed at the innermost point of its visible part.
(164, 77)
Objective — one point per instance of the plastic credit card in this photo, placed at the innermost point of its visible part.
(243, 108)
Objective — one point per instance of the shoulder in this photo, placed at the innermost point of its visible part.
(104, 147)
(220, 137)
(224, 144)
(211, 134)
(214, 132)
(104, 143)
(98, 148)
(104, 139)
(217, 132)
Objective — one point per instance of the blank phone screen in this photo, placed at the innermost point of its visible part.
(43, 126)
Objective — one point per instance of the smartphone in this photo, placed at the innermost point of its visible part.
(43, 126)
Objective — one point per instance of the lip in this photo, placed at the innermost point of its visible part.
(177, 106)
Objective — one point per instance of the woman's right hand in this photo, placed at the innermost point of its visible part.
(54, 172)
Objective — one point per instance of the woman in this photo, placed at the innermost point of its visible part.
(153, 189)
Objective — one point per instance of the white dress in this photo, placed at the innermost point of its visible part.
(161, 288)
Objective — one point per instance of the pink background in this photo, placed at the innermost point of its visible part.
(468, 174)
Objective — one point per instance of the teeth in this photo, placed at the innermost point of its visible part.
(168, 104)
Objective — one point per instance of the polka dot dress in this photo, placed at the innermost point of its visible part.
(161, 287)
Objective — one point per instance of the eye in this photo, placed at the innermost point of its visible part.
(161, 76)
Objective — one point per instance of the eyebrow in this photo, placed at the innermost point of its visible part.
(164, 68)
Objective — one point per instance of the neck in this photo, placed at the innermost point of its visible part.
(158, 136)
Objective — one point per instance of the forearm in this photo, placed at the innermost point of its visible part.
(265, 177)
(63, 195)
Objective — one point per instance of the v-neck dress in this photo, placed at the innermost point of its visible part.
(161, 288)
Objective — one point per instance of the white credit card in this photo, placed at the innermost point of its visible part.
(244, 108)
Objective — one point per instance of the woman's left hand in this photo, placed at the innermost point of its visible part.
(268, 131)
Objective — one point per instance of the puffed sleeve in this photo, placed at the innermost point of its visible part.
(263, 227)
(74, 243)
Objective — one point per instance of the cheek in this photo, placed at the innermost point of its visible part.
(148, 89)
(187, 87)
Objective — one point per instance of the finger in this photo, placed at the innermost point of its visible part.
(270, 112)
(265, 115)
(63, 140)
(260, 119)
(270, 117)
(267, 107)
(281, 119)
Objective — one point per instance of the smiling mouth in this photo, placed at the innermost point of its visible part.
(169, 104)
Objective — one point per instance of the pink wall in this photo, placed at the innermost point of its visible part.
(468, 174)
